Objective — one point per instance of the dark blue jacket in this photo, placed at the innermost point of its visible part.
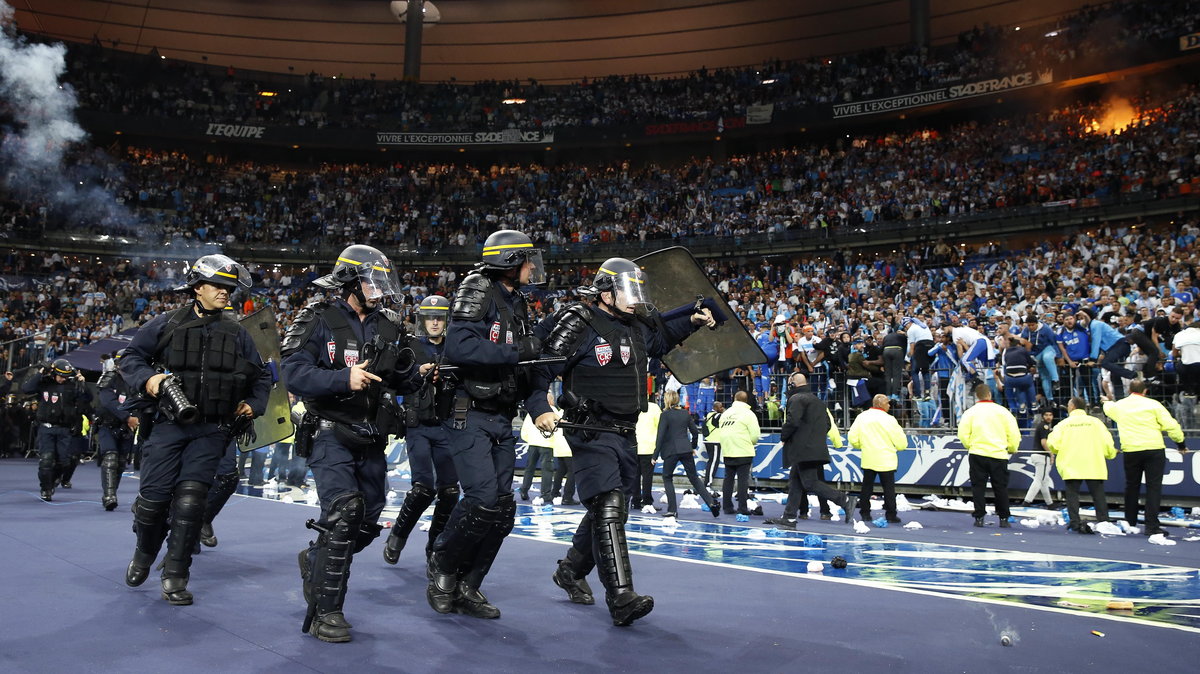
(309, 370)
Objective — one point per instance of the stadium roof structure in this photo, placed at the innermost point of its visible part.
(552, 41)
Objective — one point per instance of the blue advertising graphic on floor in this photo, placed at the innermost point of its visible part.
(1161, 593)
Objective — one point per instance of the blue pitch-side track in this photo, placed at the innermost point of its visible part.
(1162, 595)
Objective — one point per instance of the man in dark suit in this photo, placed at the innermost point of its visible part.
(804, 450)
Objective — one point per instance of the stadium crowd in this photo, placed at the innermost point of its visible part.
(150, 87)
(1045, 158)
(830, 317)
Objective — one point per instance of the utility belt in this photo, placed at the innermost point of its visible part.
(358, 438)
(464, 403)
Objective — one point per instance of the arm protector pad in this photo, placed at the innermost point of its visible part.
(572, 322)
(471, 300)
(298, 332)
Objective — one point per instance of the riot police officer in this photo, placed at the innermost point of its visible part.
(340, 357)
(115, 426)
(607, 344)
(489, 333)
(61, 396)
(427, 440)
(202, 368)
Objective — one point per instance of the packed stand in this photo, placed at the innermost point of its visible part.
(965, 170)
(142, 86)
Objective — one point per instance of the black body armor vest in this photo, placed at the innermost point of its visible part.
(57, 404)
(203, 353)
(357, 407)
(428, 406)
(497, 385)
(617, 386)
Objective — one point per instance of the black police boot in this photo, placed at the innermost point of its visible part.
(571, 576)
(224, 486)
(328, 578)
(472, 602)
(47, 476)
(187, 516)
(468, 599)
(110, 477)
(457, 556)
(447, 498)
(150, 527)
(415, 503)
(612, 560)
(67, 471)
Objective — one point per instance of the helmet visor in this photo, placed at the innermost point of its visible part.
(431, 321)
(629, 292)
(378, 282)
(537, 275)
(223, 271)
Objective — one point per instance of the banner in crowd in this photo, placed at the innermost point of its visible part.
(945, 94)
(941, 461)
(505, 137)
(1189, 42)
(760, 114)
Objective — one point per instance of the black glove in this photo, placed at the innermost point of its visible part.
(1181, 445)
(529, 347)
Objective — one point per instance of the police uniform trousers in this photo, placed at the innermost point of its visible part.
(54, 453)
(117, 441)
(338, 471)
(602, 462)
(176, 453)
(429, 456)
(484, 453)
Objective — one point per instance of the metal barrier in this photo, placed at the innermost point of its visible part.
(22, 352)
(947, 397)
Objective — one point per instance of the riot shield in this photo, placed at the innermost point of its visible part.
(276, 423)
(674, 282)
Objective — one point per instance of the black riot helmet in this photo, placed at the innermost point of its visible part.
(218, 270)
(364, 272)
(509, 249)
(626, 281)
(434, 306)
(62, 368)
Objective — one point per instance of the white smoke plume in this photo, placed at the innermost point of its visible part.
(38, 133)
(44, 110)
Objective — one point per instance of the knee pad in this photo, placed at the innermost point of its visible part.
(450, 494)
(507, 515)
(348, 508)
(478, 520)
(111, 461)
(421, 493)
(609, 507)
(190, 497)
(149, 512)
(45, 461)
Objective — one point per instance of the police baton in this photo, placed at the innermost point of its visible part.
(520, 363)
